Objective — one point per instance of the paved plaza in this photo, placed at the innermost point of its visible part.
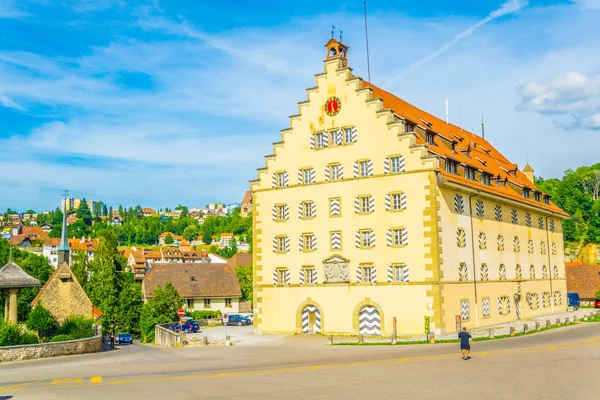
(556, 364)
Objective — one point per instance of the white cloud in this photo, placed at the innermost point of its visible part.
(218, 100)
(588, 4)
(9, 9)
(571, 94)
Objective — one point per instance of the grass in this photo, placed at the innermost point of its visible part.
(595, 318)
(477, 339)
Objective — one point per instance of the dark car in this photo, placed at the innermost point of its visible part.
(190, 326)
(238, 320)
(124, 338)
(573, 300)
(597, 303)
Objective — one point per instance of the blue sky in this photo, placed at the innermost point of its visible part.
(164, 102)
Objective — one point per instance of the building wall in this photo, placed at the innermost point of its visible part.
(63, 298)
(454, 290)
(215, 304)
(378, 137)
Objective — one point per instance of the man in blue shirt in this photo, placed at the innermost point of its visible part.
(465, 347)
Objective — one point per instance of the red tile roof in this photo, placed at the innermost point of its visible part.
(583, 279)
(470, 149)
(247, 197)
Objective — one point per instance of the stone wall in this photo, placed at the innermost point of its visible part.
(45, 350)
(166, 337)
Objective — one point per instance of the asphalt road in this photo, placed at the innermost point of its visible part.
(558, 364)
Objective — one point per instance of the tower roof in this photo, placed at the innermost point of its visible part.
(64, 240)
(12, 276)
(527, 168)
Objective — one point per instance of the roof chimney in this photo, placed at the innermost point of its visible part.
(528, 171)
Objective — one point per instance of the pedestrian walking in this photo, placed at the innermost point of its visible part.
(465, 346)
(112, 342)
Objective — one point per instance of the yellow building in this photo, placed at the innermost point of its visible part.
(371, 211)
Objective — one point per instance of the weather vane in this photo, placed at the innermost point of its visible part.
(341, 32)
(332, 31)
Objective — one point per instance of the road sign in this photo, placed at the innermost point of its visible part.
(181, 313)
(225, 318)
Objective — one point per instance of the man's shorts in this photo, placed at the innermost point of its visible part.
(466, 347)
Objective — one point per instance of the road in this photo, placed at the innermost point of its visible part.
(557, 364)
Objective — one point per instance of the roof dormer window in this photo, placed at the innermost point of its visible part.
(526, 192)
(546, 199)
(429, 138)
(470, 173)
(485, 179)
(451, 167)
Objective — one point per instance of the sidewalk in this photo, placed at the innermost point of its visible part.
(484, 331)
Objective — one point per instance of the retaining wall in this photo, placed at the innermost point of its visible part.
(45, 350)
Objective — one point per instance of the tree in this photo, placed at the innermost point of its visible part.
(105, 210)
(41, 320)
(77, 229)
(230, 250)
(84, 213)
(79, 266)
(30, 211)
(130, 307)
(190, 233)
(160, 309)
(206, 238)
(169, 239)
(244, 274)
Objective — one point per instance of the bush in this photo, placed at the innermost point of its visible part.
(60, 338)
(41, 320)
(205, 314)
(13, 335)
(29, 338)
(10, 334)
(77, 327)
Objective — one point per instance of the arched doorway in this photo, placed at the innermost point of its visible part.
(369, 321)
(311, 319)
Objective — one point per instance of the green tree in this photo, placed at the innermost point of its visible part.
(78, 229)
(84, 213)
(79, 266)
(230, 250)
(105, 210)
(130, 308)
(160, 309)
(190, 233)
(41, 320)
(169, 239)
(244, 274)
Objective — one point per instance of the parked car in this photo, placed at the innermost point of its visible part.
(190, 326)
(573, 300)
(238, 320)
(597, 303)
(124, 338)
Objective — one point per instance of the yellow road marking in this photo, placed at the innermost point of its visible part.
(483, 354)
(316, 367)
(223, 374)
(96, 379)
(19, 386)
(66, 380)
(552, 347)
(402, 360)
(120, 382)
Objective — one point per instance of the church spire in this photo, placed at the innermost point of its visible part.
(63, 248)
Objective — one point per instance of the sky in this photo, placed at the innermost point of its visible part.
(160, 103)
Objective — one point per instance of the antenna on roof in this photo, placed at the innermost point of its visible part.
(332, 31)
(446, 111)
(482, 128)
(341, 33)
(367, 40)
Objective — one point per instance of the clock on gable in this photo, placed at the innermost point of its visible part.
(333, 106)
